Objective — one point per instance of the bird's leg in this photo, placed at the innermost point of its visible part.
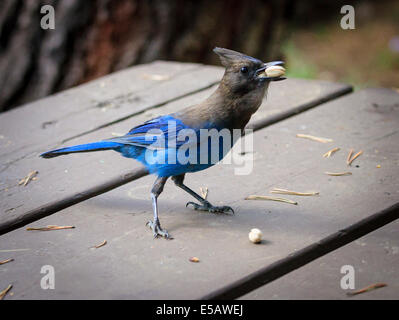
(205, 205)
(155, 225)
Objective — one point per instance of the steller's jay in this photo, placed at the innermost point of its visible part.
(230, 107)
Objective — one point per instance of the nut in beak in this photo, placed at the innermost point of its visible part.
(271, 71)
(274, 71)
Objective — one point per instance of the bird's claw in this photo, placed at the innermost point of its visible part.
(210, 208)
(157, 230)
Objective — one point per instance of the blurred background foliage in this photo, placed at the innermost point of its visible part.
(317, 48)
(97, 37)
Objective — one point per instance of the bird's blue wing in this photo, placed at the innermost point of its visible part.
(158, 133)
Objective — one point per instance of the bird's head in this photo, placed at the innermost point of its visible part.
(245, 74)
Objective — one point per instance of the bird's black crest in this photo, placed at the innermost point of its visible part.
(229, 57)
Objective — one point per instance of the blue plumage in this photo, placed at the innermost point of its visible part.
(88, 147)
(155, 144)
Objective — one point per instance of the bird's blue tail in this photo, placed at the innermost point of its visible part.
(89, 147)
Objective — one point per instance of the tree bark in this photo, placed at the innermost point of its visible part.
(96, 37)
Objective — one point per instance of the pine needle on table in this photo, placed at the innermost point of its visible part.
(318, 139)
(29, 177)
(349, 162)
(293, 193)
(6, 261)
(328, 154)
(369, 288)
(346, 173)
(256, 197)
(204, 192)
(49, 228)
(5, 291)
(349, 156)
(100, 245)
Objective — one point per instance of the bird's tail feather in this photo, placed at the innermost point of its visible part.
(89, 147)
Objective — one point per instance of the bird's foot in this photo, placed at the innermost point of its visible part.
(210, 208)
(157, 230)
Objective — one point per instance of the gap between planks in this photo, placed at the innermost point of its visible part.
(299, 258)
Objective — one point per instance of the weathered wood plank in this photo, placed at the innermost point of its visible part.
(375, 259)
(50, 121)
(132, 265)
(306, 255)
(72, 176)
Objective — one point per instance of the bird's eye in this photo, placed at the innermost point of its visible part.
(244, 70)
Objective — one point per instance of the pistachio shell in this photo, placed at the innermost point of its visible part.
(275, 71)
(255, 236)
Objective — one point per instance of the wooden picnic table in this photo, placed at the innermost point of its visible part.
(91, 192)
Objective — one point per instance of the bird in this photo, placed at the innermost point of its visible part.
(156, 142)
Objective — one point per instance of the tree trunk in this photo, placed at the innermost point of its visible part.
(96, 37)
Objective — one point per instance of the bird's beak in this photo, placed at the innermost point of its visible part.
(271, 71)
